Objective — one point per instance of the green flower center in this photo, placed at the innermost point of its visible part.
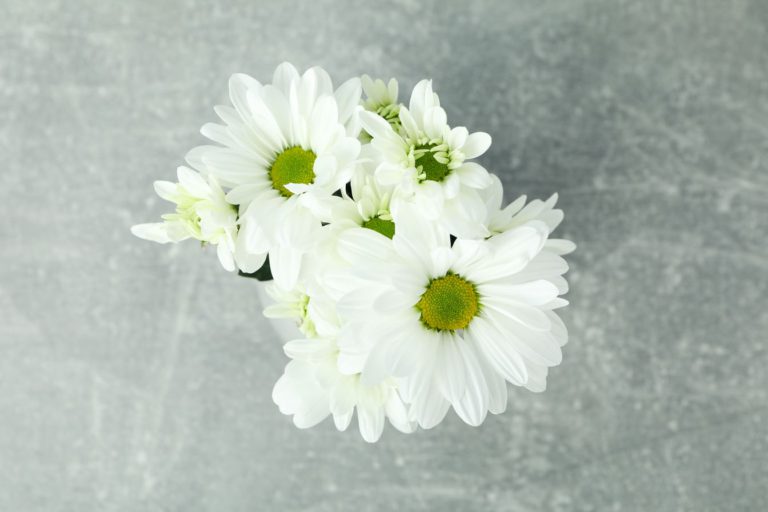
(294, 165)
(449, 303)
(433, 169)
(385, 227)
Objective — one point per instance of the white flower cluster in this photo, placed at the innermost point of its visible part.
(414, 290)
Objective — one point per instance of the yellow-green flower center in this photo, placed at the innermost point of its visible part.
(385, 227)
(449, 303)
(294, 165)
(432, 169)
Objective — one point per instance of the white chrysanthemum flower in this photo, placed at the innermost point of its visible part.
(312, 387)
(454, 322)
(517, 213)
(202, 213)
(290, 305)
(313, 318)
(286, 147)
(381, 99)
(367, 207)
(428, 162)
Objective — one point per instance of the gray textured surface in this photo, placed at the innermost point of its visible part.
(137, 377)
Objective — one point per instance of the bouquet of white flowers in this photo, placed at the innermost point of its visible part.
(413, 289)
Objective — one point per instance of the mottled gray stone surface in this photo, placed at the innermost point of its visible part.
(137, 377)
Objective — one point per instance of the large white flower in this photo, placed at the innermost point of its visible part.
(312, 387)
(454, 322)
(202, 213)
(428, 162)
(286, 147)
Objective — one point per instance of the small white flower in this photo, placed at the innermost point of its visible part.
(454, 322)
(312, 387)
(292, 305)
(428, 162)
(381, 99)
(367, 207)
(517, 213)
(202, 213)
(286, 147)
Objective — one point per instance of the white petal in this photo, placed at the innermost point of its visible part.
(192, 182)
(477, 144)
(497, 386)
(535, 293)
(154, 232)
(362, 245)
(228, 115)
(500, 354)
(430, 199)
(435, 122)
(474, 175)
(451, 372)
(389, 174)
(370, 419)
(537, 381)
(457, 137)
(233, 167)
(451, 185)
(225, 257)
(473, 406)
(217, 133)
(375, 125)
(409, 123)
(398, 414)
(266, 127)
(284, 75)
(307, 349)
(394, 301)
(323, 79)
(239, 85)
(248, 262)
(322, 122)
(529, 316)
(342, 421)
(539, 347)
(514, 250)
(422, 98)
(279, 109)
(559, 330)
(430, 407)
(560, 246)
(348, 98)
(343, 397)
(166, 190)
(285, 263)
(442, 259)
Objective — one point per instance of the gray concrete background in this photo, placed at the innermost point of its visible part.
(137, 377)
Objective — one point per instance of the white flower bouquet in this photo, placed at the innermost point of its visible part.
(413, 289)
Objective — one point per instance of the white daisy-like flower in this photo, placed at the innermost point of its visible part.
(312, 318)
(428, 162)
(454, 322)
(202, 213)
(312, 387)
(367, 206)
(286, 147)
(517, 213)
(381, 99)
